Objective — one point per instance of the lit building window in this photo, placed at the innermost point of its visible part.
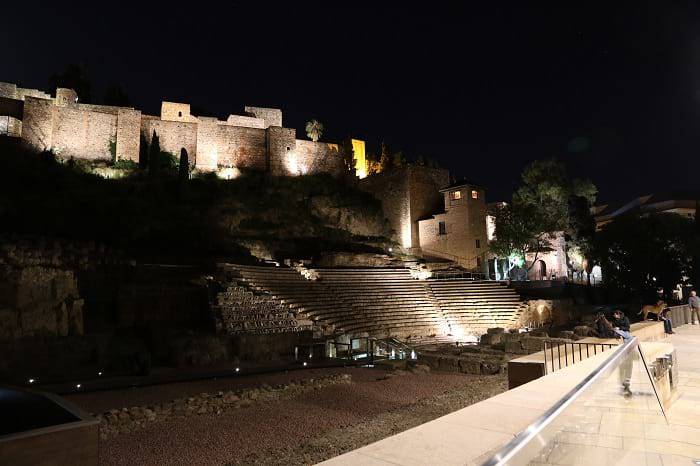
(442, 230)
(475, 194)
(456, 194)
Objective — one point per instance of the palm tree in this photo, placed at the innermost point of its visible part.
(314, 129)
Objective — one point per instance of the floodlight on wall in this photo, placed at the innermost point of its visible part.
(31, 381)
(238, 369)
(304, 363)
(77, 386)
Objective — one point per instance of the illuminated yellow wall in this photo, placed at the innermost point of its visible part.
(358, 149)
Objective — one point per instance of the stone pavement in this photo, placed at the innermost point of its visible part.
(603, 426)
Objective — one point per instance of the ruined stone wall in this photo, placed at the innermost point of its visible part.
(239, 310)
(39, 294)
(11, 91)
(207, 131)
(128, 134)
(424, 191)
(37, 122)
(319, 157)
(82, 133)
(407, 195)
(272, 116)
(172, 135)
(245, 121)
(392, 189)
(281, 149)
(241, 147)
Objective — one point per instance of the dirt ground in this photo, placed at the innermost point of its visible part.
(309, 428)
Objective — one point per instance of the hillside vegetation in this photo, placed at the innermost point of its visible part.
(198, 219)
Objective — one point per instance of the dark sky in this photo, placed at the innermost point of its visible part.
(611, 87)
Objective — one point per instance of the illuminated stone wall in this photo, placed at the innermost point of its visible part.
(173, 111)
(83, 134)
(128, 131)
(465, 223)
(37, 122)
(319, 157)
(407, 195)
(554, 260)
(254, 141)
(172, 135)
(241, 147)
(281, 145)
(246, 121)
(271, 116)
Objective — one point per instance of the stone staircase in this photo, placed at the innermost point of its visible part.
(384, 302)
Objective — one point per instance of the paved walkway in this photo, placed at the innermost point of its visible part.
(601, 427)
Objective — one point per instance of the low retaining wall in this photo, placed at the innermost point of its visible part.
(531, 367)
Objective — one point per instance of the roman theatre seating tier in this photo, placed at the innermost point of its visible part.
(386, 302)
(477, 305)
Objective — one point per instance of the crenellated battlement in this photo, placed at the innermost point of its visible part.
(254, 140)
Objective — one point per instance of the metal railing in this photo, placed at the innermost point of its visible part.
(571, 352)
(523, 447)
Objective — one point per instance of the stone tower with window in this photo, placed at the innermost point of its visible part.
(458, 233)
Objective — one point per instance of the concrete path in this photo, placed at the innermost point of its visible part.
(601, 427)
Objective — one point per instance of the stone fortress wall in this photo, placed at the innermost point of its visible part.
(255, 140)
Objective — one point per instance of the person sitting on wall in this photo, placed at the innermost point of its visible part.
(602, 328)
(621, 325)
(665, 316)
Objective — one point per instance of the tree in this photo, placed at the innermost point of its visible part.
(184, 166)
(75, 77)
(384, 159)
(398, 160)
(143, 152)
(314, 130)
(547, 203)
(154, 155)
(519, 230)
(562, 204)
(115, 95)
(640, 254)
(348, 155)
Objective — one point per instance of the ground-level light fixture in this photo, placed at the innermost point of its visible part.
(304, 363)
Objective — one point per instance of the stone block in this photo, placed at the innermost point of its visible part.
(469, 367)
(514, 347)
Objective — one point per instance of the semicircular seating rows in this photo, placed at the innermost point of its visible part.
(387, 302)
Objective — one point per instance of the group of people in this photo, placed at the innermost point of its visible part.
(617, 327)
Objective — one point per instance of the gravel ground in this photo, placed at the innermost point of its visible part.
(304, 430)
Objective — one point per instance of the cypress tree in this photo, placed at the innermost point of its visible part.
(184, 167)
(154, 155)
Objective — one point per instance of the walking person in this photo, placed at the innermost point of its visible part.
(694, 303)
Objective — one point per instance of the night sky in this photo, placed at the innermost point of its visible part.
(614, 89)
